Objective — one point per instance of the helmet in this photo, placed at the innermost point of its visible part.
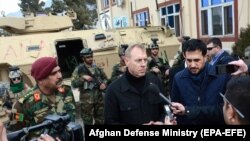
(14, 72)
(86, 52)
(154, 44)
(122, 49)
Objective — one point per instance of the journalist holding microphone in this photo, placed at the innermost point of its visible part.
(195, 91)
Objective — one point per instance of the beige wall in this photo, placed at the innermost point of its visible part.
(151, 5)
(243, 13)
(189, 25)
(189, 18)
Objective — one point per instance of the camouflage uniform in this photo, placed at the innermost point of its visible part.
(119, 68)
(11, 97)
(178, 59)
(4, 117)
(34, 106)
(118, 71)
(161, 64)
(16, 90)
(91, 97)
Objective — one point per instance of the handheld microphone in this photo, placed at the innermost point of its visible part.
(154, 88)
(167, 109)
(168, 112)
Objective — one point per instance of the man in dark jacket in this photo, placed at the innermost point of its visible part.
(130, 99)
(216, 54)
(195, 91)
(236, 101)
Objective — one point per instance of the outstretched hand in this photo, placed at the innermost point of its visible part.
(243, 68)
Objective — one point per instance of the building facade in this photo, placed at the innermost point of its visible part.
(201, 19)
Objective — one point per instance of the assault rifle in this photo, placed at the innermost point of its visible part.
(153, 63)
(165, 59)
(96, 81)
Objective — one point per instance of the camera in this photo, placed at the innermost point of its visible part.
(222, 69)
(55, 126)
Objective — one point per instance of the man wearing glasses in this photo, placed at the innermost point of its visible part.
(17, 89)
(91, 82)
(17, 86)
(216, 54)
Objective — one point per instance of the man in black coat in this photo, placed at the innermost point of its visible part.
(216, 54)
(131, 99)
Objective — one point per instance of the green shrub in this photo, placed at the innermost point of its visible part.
(243, 42)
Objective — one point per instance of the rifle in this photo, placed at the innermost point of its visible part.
(166, 58)
(96, 81)
(153, 63)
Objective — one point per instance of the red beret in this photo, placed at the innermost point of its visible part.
(42, 67)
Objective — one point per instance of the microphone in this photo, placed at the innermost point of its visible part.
(155, 88)
(167, 109)
(168, 112)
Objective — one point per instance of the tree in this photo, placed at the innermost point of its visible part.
(85, 10)
(243, 42)
(58, 6)
(31, 6)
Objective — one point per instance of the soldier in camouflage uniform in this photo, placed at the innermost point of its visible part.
(179, 58)
(91, 82)
(119, 68)
(17, 86)
(49, 96)
(15, 90)
(158, 65)
(4, 116)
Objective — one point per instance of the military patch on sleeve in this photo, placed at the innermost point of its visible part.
(19, 116)
(37, 96)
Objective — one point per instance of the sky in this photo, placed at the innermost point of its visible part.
(10, 7)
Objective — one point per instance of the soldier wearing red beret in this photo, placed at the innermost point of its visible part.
(49, 96)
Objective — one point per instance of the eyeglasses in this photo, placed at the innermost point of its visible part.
(17, 78)
(210, 48)
(238, 111)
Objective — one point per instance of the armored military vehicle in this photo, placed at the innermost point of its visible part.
(33, 37)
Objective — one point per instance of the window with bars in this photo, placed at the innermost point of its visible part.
(170, 16)
(217, 17)
(105, 3)
(141, 19)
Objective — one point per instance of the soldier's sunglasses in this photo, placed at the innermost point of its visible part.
(17, 78)
(237, 110)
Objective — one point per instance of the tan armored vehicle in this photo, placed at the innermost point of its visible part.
(34, 37)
